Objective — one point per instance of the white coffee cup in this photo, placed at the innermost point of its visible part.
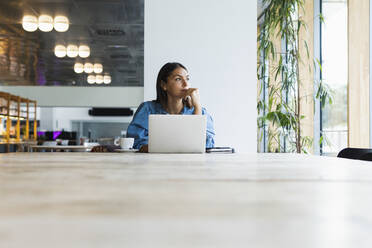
(125, 143)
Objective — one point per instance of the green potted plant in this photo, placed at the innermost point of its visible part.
(281, 108)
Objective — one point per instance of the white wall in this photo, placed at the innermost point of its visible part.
(65, 96)
(46, 117)
(216, 41)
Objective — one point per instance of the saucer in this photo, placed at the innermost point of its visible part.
(126, 150)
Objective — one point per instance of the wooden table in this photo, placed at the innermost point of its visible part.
(207, 200)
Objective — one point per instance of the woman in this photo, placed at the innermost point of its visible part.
(174, 96)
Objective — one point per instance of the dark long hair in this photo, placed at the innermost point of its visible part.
(164, 73)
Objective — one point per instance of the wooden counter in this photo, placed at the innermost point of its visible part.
(210, 200)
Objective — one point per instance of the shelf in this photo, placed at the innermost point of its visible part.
(14, 111)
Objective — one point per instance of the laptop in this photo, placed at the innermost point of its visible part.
(177, 133)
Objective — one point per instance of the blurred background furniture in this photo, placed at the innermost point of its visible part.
(16, 116)
(356, 153)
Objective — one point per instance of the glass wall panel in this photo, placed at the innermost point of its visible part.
(334, 73)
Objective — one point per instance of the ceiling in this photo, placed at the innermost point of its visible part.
(113, 29)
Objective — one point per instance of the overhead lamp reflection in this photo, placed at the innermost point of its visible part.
(84, 51)
(98, 68)
(29, 23)
(78, 67)
(88, 67)
(99, 79)
(107, 79)
(61, 23)
(60, 51)
(45, 23)
(72, 51)
(91, 79)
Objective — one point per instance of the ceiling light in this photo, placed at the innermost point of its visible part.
(88, 67)
(98, 68)
(84, 51)
(29, 23)
(107, 79)
(60, 51)
(99, 79)
(91, 79)
(78, 67)
(45, 23)
(72, 51)
(61, 23)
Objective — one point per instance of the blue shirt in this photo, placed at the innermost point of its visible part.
(138, 128)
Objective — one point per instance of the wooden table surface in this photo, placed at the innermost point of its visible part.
(207, 200)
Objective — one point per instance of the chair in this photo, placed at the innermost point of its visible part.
(356, 153)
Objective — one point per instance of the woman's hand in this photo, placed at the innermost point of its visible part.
(144, 149)
(192, 97)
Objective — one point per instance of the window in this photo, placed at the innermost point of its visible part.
(334, 49)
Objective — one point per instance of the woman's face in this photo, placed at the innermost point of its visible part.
(177, 83)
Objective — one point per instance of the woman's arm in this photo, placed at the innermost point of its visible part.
(138, 128)
(193, 99)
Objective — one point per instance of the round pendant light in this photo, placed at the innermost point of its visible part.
(78, 67)
(98, 68)
(106, 79)
(72, 51)
(88, 67)
(91, 79)
(60, 51)
(45, 23)
(29, 23)
(61, 23)
(84, 51)
(99, 79)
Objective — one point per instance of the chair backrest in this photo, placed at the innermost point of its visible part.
(356, 153)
